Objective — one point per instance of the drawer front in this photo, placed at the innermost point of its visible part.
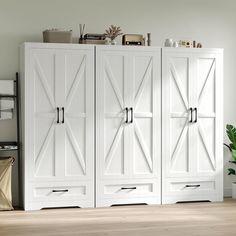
(193, 186)
(60, 191)
(128, 192)
(191, 190)
(125, 190)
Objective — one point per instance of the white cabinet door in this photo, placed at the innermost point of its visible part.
(192, 125)
(177, 99)
(145, 106)
(208, 113)
(76, 69)
(112, 93)
(60, 114)
(41, 110)
(128, 125)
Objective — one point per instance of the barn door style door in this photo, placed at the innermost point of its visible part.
(128, 112)
(177, 115)
(207, 112)
(112, 115)
(144, 128)
(60, 111)
(192, 125)
(44, 114)
(77, 113)
(63, 124)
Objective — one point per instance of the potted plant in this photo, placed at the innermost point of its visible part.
(112, 33)
(231, 133)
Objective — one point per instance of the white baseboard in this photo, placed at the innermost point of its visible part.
(227, 192)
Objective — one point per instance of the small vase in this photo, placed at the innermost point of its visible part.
(113, 42)
(234, 190)
(169, 43)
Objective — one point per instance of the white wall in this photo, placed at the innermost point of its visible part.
(211, 22)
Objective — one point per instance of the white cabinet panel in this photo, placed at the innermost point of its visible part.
(189, 189)
(58, 116)
(192, 121)
(156, 140)
(176, 100)
(208, 143)
(128, 120)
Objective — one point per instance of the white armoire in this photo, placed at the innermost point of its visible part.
(192, 138)
(109, 125)
(128, 125)
(57, 103)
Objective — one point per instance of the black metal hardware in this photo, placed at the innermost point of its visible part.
(9, 146)
(195, 109)
(7, 96)
(127, 115)
(191, 114)
(132, 115)
(16, 143)
(60, 190)
(192, 185)
(8, 143)
(58, 118)
(128, 188)
(63, 115)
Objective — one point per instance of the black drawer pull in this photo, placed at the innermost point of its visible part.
(60, 190)
(192, 185)
(58, 118)
(191, 114)
(127, 115)
(132, 115)
(63, 115)
(128, 188)
(195, 109)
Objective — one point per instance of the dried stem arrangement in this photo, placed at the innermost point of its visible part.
(113, 32)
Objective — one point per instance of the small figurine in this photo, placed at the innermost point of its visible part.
(149, 39)
(199, 45)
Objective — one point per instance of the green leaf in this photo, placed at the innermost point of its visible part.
(231, 132)
(231, 146)
(231, 171)
(233, 154)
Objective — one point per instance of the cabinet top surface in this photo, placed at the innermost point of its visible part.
(118, 47)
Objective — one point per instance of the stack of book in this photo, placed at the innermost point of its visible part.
(93, 39)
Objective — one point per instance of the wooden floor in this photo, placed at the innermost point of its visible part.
(187, 219)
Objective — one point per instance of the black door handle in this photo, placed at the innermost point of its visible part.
(192, 185)
(63, 115)
(191, 114)
(128, 188)
(60, 190)
(58, 118)
(127, 115)
(132, 115)
(195, 109)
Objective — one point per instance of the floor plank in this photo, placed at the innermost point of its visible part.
(194, 219)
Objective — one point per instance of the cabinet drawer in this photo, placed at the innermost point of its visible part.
(128, 189)
(191, 186)
(128, 192)
(59, 191)
(177, 190)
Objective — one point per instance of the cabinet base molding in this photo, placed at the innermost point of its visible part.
(30, 206)
(136, 200)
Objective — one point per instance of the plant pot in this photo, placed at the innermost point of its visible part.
(234, 190)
